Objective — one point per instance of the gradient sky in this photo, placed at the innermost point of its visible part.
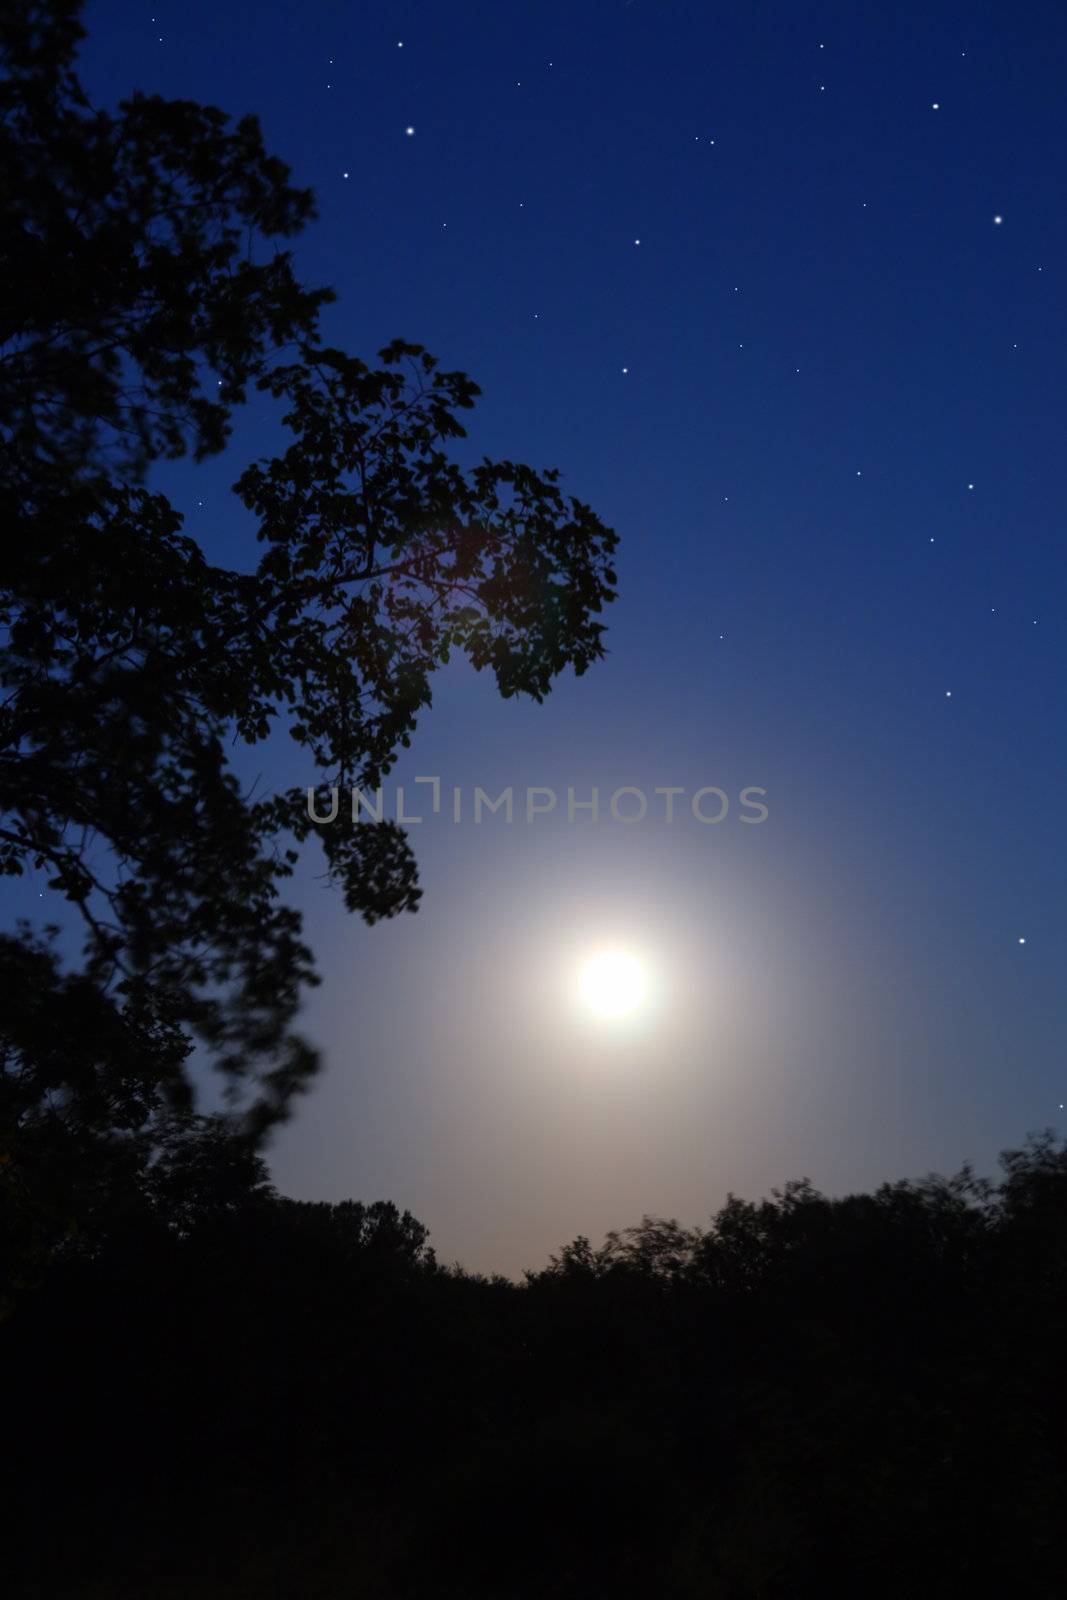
(822, 402)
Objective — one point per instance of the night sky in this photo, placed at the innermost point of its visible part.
(780, 290)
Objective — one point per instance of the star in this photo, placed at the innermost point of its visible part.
(948, 694)
(637, 241)
(625, 369)
(1022, 941)
(935, 106)
(409, 132)
(998, 219)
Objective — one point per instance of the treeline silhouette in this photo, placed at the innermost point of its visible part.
(212, 1390)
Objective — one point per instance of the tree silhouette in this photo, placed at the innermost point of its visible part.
(223, 1392)
(145, 298)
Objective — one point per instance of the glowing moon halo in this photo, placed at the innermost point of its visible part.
(614, 983)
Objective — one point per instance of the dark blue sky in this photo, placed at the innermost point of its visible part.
(822, 402)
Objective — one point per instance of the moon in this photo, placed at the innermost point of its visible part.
(614, 983)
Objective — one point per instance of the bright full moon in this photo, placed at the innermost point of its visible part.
(614, 984)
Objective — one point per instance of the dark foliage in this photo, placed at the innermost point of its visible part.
(221, 1393)
(145, 295)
